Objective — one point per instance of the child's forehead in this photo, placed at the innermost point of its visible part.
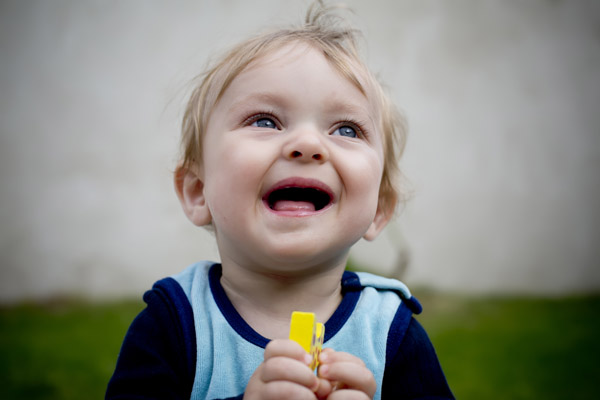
(342, 64)
(285, 56)
(289, 51)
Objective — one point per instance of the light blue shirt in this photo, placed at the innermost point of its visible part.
(229, 351)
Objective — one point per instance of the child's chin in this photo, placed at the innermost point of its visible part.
(302, 253)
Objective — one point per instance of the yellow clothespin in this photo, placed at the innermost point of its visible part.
(307, 333)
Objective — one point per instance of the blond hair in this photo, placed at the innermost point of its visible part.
(322, 29)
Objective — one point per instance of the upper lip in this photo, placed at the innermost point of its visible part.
(322, 196)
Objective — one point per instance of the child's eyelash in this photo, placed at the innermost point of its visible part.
(252, 118)
(359, 126)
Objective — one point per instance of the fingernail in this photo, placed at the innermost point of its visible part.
(323, 370)
(307, 359)
(323, 357)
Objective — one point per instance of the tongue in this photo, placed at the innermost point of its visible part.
(289, 205)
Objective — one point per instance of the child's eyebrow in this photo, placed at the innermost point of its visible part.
(260, 98)
(351, 110)
(336, 105)
(347, 108)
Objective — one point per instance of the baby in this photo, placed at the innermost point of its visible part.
(290, 155)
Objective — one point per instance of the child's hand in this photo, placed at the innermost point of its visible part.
(284, 374)
(348, 375)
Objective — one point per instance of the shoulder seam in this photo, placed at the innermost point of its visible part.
(381, 283)
(397, 331)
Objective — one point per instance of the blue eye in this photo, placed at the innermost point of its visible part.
(265, 123)
(346, 131)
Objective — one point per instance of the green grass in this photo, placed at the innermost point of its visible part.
(65, 350)
(490, 348)
(517, 348)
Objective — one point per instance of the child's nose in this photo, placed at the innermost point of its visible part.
(307, 147)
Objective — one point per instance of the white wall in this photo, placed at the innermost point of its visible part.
(504, 150)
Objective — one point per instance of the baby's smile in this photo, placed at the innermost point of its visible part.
(298, 197)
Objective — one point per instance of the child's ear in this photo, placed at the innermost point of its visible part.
(190, 190)
(385, 210)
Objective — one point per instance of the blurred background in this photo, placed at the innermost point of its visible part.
(503, 160)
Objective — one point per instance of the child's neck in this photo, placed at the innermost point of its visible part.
(266, 301)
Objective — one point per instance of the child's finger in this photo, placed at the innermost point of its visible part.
(349, 395)
(345, 370)
(324, 389)
(350, 375)
(329, 356)
(286, 348)
(289, 370)
(327, 350)
(279, 390)
(287, 390)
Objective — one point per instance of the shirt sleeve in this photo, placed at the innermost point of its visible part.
(158, 355)
(414, 371)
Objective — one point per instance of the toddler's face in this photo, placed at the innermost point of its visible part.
(292, 163)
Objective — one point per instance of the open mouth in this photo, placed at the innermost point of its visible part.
(298, 198)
